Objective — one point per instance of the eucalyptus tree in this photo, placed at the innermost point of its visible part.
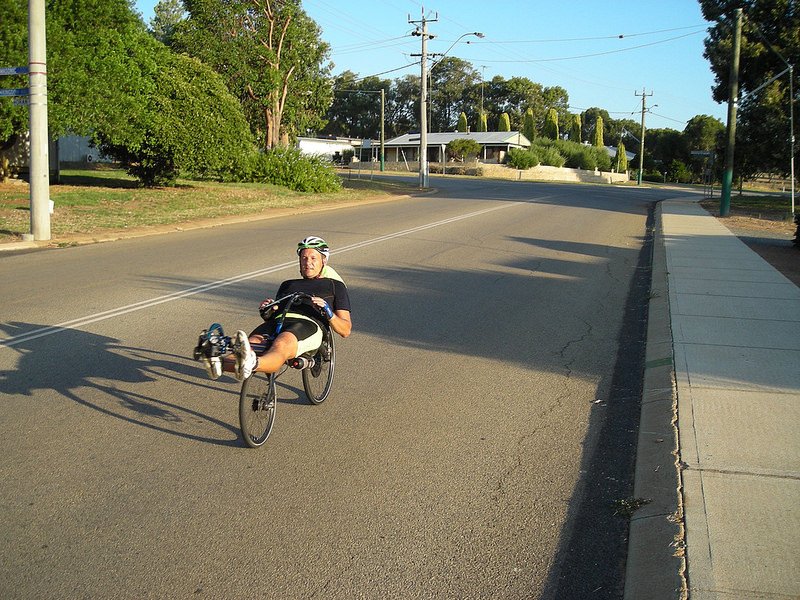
(769, 43)
(402, 106)
(271, 56)
(356, 107)
(451, 80)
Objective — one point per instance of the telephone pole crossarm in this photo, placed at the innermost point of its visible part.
(422, 32)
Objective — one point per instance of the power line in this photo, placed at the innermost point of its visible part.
(414, 64)
(593, 38)
(540, 60)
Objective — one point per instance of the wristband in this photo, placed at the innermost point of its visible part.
(327, 310)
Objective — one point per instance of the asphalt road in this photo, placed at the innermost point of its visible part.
(481, 427)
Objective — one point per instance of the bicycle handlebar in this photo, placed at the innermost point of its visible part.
(293, 297)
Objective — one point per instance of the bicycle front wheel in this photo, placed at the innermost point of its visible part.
(318, 380)
(257, 406)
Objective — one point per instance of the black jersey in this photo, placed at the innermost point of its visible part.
(334, 292)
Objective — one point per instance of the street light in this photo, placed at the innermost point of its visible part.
(423, 101)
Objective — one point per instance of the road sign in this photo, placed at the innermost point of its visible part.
(701, 153)
(21, 101)
(13, 70)
(14, 92)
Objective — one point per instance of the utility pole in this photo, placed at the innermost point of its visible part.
(423, 97)
(641, 142)
(733, 99)
(383, 105)
(39, 160)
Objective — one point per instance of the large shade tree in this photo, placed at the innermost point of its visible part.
(451, 79)
(109, 79)
(271, 56)
(356, 107)
(770, 30)
(518, 94)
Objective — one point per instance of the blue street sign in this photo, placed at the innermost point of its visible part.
(13, 70)
(14, 92)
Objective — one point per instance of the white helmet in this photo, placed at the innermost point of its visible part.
(315, 243)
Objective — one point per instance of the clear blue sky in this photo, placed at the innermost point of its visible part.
(574, 44)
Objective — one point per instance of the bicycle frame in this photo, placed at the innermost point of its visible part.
(258, 398)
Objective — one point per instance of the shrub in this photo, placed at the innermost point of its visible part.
(797, 231)
(551, 157)
(653, 175)
(679, 172)
(461, 148)
(190, 124)
(290, 168)
(518, 158)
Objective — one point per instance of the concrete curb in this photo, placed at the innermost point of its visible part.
(656, 559)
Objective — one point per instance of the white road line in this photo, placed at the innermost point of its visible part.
(115, 312)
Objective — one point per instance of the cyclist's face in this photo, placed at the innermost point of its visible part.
(310, 263)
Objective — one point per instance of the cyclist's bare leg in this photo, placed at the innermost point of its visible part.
(282, 349)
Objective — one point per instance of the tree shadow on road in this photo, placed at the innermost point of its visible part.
(102, 364)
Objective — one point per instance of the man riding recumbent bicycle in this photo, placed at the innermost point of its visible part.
(297, 332)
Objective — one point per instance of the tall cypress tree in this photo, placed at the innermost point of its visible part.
(598, 132)
(505, 123)
(462, 123)
(575, 132)
(528, 126)
(551, 124)
(622, 158)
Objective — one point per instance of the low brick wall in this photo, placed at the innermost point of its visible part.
(540, 173)
(563, 174)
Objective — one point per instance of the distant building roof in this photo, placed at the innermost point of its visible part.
(485, 138)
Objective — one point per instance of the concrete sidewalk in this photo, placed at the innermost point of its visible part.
(719, 444)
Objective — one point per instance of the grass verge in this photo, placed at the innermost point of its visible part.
(89, 202)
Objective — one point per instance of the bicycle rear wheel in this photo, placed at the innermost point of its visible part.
(257, 406)
(318, 380)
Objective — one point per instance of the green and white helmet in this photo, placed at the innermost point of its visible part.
(315, 243)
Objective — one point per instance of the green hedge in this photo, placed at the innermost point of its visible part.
(559, 153)
(518, 158)
(291, 168)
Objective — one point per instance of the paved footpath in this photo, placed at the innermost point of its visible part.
(719, 439)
